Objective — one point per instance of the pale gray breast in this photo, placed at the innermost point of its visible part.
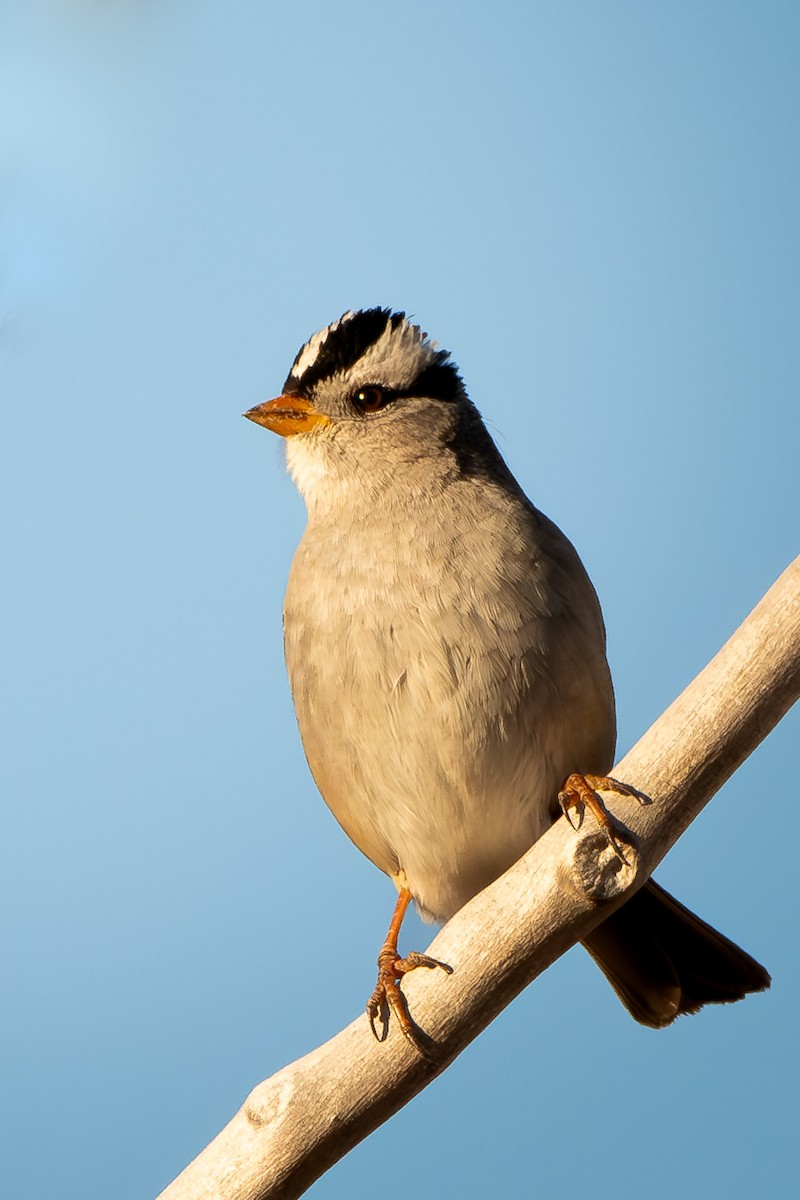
(445, 683)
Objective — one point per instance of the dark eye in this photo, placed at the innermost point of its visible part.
(371, 399)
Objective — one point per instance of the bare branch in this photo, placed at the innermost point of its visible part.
(296, 1124)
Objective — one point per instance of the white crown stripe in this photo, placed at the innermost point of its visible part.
(310, 352)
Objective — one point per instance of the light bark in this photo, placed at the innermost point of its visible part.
(296, 1124)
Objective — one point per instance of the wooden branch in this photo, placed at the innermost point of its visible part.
(299, 1122)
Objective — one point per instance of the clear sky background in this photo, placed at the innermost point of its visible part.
(595, 207)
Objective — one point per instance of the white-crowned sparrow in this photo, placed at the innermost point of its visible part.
(446, 653)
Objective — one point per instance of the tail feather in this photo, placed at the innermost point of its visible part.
(663, 960)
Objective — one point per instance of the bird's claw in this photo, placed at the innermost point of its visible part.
(388, 998)
(581, 791)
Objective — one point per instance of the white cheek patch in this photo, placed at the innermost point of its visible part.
(308, 464)
(307, 470)
(310, 352)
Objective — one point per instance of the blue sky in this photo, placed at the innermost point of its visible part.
(594, 207)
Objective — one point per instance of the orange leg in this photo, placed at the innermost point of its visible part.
(580, 791)
(387, 997)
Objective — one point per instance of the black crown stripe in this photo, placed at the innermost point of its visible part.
(344, 346)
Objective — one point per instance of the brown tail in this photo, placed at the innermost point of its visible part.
(662, 960)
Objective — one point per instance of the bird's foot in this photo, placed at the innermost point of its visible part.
(388, 998)
(581, 791)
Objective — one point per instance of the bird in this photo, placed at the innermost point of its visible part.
(446, 653)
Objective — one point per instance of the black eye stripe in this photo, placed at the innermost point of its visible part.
(440, 381)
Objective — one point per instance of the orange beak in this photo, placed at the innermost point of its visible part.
(287, 415)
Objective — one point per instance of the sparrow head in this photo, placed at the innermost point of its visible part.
(361, 365)
(367, 394)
